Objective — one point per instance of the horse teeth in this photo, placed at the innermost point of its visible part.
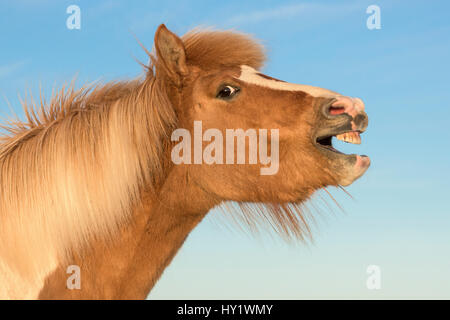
(350, 137)
(342, 137)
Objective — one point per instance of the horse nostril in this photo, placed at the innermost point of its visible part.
(341, 105)
(333, 111)
(328, 110)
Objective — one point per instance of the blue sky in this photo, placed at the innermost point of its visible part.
(399, 218)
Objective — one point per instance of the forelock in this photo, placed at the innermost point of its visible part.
(211, 50)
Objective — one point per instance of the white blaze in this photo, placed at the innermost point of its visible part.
(250, 75)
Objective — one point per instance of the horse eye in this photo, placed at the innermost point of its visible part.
(227, 92)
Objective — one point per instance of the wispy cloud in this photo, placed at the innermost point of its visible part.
(30, 4)
(7, 69)
(290, 11)
(104, 7)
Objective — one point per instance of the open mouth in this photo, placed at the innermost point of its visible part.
(348, 167)
(326, 142)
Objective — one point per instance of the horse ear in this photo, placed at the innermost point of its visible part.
(170, 51)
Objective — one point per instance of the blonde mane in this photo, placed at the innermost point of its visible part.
(76, 167)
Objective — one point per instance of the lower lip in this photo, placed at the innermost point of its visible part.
(362, 161)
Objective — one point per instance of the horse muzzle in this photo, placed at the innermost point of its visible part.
(344, 118)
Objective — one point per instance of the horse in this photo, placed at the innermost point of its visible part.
(87, 179)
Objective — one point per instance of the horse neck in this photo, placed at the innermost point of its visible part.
(128, 266)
